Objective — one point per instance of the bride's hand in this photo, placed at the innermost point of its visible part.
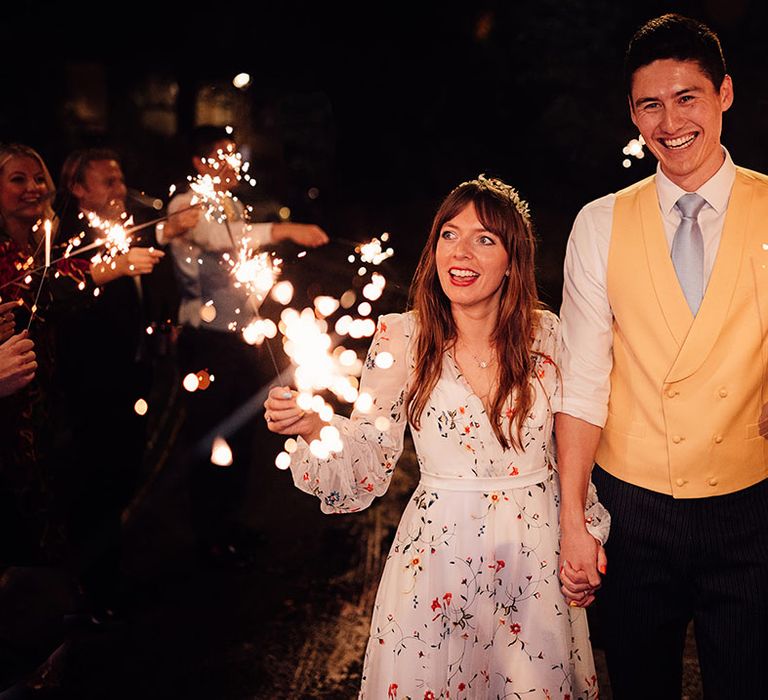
(284, 416)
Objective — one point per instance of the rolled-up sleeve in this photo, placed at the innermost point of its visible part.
(586, 316)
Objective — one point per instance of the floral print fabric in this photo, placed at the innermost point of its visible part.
(469, 604)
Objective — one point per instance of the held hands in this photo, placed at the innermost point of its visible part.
(307, 235)
(582, 561)
(284, 416)
(17, 363)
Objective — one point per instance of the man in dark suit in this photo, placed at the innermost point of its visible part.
(107, 334)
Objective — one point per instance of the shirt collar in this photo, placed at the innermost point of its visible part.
(716, 191)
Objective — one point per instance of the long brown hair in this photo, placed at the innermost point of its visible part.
(502, 212)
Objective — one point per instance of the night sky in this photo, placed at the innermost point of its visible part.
(383, 111)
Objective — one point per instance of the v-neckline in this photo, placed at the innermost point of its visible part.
(460, 376)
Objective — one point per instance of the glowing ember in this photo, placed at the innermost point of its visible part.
(348, 358)
(256, 331)
(221, 453)
(241, 80)
(191, 382)
(364, 403)
(282, 292)
(348, 299)
(384, 360)
(208, 312)
(326, 306)
(343, 325)
(633, 148)
(283, 460)
(203, 380)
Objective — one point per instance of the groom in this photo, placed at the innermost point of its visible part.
(665, 367)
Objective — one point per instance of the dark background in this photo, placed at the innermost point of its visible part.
(382, 107)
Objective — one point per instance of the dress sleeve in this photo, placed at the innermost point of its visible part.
(373, 441)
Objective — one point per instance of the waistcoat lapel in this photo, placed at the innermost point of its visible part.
(670, 296)
(722, 284)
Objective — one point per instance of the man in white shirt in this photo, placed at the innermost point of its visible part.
(664, 316)
(213, 313)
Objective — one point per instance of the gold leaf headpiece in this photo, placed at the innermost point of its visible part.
(498, 187)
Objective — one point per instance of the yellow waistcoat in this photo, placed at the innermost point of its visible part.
(686, 392)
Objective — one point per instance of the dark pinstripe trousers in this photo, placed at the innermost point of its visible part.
(671, 561)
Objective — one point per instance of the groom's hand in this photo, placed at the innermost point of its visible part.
(582, 561)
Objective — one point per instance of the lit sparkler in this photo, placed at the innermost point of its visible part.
(374, 252)
(212, 190)
(254, 270)
(116, 240)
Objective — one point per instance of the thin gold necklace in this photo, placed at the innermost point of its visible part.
(482, 364)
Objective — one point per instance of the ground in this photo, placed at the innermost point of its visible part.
(295, 626)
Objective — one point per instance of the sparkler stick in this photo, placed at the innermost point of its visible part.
(47, 265)
(47, 228)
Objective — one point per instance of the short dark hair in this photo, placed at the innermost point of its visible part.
(73, 170)
(679, 38)
(203, 138)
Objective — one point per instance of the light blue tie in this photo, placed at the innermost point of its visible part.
(688, 250)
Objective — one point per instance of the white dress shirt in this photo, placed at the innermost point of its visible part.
(586, 315)
(203, 277)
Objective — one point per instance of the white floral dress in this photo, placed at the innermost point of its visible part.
(469, 605)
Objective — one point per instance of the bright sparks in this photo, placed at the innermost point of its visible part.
(373, 252)
(116, 238)
(253, 270)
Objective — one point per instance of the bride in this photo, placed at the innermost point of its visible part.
(469, 605)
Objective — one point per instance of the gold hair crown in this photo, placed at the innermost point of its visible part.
(499, 187)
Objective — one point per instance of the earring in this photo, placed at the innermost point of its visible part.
(506, 274)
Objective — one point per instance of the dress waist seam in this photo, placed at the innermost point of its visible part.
(483, 483)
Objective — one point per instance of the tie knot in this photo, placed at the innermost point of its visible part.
(690, 205)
